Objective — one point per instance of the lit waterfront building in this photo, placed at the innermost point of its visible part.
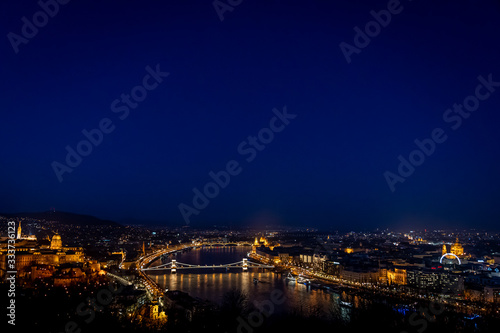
(263, 242)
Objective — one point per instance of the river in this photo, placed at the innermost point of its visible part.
(211, 284)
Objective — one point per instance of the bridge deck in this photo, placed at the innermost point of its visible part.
(179, 265)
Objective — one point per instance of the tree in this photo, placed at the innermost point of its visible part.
(234, 303)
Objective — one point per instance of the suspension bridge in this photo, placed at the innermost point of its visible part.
(174, 265)
(219, 243)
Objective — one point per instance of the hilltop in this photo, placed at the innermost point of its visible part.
(64, 218)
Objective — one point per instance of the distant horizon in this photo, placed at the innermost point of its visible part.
(236, 225)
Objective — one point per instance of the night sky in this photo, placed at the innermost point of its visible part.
(349, 118)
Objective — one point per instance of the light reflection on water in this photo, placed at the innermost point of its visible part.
(212, 284)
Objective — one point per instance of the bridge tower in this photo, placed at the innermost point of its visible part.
(174, 266)
(245, 264)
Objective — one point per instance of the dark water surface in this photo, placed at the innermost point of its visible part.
(211, 283)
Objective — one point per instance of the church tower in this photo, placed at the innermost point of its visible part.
(19, 233)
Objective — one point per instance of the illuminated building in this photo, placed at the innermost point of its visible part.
(56, 242)
(68, 276)
(19, 231)
(94, 266)
(306, 258)
(41, 271)
(21, 236)
(418, 240)
(29, 253)
(457, 249)
(30, 237)
(360, 274)
(492, 294)
(263, 242)
(397, 276)
(57, 254)
(23, 259)
(444, 250)
(332, 268)
(435, 280)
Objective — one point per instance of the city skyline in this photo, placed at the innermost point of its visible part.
(138, 278)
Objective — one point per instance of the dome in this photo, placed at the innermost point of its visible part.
(56, 242)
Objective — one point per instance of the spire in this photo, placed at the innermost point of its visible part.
(19, 233)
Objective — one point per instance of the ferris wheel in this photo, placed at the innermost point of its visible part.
(450, 254)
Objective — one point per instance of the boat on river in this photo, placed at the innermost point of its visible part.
(303, 280)
(346, 304)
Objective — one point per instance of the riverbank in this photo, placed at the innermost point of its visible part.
(333, 284)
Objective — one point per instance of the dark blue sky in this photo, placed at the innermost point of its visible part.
(325, 169)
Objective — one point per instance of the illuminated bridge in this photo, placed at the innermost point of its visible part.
(154, 291)
(174, 265)
(219, 243)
